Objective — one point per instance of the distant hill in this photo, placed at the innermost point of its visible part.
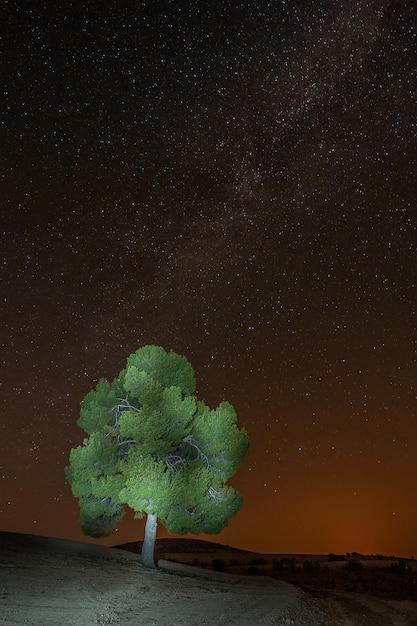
(173, 545)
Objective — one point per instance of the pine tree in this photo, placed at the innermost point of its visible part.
(154, 447)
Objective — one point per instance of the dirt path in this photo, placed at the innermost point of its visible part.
(48, 582)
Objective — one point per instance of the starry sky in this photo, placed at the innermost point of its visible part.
(236, 181)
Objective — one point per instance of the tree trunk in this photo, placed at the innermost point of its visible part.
(149, 541)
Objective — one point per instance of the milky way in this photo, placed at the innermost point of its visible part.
(236, 183)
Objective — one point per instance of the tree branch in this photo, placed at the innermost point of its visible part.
(216, 495)
(200, 455)
(124, 405)
(174, 462)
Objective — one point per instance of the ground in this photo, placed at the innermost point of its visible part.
(54, 582)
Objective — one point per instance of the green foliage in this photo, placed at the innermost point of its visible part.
(96, 458)
(97, 405)
(100, 517)
(154, 447)
(168, 369)
(212, 429)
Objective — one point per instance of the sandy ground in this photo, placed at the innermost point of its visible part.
(51, 582)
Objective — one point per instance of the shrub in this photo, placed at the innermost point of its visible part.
(284, 565)
(354, 565)
(311, 567)
(400, 567)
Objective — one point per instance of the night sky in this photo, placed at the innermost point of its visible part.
(234, 181)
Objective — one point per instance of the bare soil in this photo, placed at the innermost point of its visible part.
(51, 582)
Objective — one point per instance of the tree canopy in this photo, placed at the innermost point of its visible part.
(156, 448)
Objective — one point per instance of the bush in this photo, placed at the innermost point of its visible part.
(311, 567)
(284, 565)
(354, 565)
(400, 567)
(218, 565)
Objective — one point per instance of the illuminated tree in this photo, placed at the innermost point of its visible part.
(154, 447)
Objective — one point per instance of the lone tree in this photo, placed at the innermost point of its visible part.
(153, 446)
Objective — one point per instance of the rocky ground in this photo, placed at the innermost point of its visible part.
(51, 582)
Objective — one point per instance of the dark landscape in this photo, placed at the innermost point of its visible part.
(384, 576)
(51, 582)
